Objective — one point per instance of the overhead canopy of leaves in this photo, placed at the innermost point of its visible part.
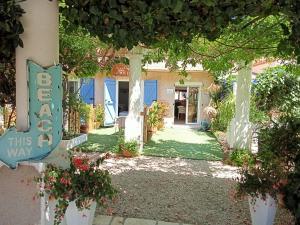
(78, 51)
(129, 23)
(10, 29)
(251, 39)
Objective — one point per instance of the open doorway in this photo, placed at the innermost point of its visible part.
(180, 105)
(123, 98)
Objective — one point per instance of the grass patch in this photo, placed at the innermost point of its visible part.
(101, 140)
(184, 143)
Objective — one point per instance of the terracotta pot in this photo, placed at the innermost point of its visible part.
(149, 135)
(84, 128)
(127, 153)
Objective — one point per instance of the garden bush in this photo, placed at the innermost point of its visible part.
(240, 157)
(225, 113)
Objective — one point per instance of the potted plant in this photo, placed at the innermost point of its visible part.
(84, 112)
(260, 180)
(76, 190)
(127, 148)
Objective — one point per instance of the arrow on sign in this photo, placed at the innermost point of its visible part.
(45, 119)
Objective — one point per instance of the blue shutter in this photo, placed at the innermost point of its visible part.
(109, 101)
(150, 91)
(87, 91)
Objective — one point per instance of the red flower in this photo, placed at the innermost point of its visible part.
(65, 181)
(84, 167)
(81, 164)
(77, 162)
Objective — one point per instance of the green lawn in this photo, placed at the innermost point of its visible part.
(184, 143)
(101, 140)
(173, 142)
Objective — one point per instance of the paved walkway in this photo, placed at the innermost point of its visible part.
(109, 220)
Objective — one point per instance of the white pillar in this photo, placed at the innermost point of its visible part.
(19, 204)
(41, 44)
(134, 120)
(239, 131)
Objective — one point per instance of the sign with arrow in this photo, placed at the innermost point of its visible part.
(45, 119)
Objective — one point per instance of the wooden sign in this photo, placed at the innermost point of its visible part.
(45, 119)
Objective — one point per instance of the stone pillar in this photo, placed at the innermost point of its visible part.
(19, 204)
(134, 120)
(240, 130)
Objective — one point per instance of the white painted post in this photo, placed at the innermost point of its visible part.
(240, 129)
(134, 120)
(19, 204)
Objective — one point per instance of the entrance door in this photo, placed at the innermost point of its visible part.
(192, 105)
(109, 102)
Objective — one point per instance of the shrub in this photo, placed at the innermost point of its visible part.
(157, 112)
(225, 114)
(99, 115)
(84, 112)
(240, 157)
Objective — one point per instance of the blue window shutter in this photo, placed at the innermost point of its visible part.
(87, 90)
(150, 91)
(109, 102)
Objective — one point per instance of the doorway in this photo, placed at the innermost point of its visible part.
(186, 106)
(180, 105)
(123, 98)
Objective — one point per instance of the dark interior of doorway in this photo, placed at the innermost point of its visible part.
(123, 98)
(180, 105)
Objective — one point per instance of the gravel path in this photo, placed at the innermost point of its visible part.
(177, 190)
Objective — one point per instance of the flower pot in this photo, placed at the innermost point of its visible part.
(149, 135)
(74, 216)
(84, 128)
(262, 210)
(127, 153)
(50, 213)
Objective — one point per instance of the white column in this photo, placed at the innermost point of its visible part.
(41, 44)
(134, 120)
(239, 131)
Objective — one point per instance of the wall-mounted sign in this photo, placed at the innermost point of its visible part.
(45, 119)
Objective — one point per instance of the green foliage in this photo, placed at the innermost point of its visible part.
(78, 51)
(256, 115)
(7, 83)
(157, 112)
(281, 138)
(260, 179)
(277, 89)
(84, 112)
(250, 39)
(83, 182)
(226, 109)
(10, 29)
(99, 114)
(292, 192)
(275, 168)
(240, 157)
(127, 24)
